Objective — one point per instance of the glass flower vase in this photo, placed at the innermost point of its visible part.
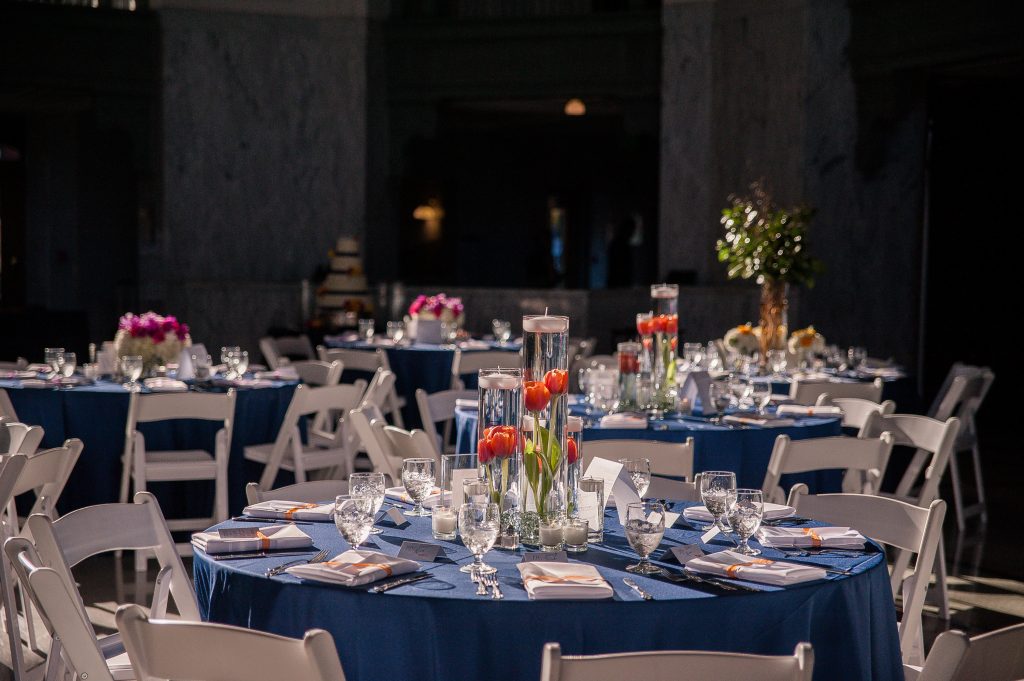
(574, 463)
(500, 445)
(665, 322)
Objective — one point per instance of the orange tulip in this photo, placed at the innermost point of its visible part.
(536, 395)
(557, 381)
(672, 324)
(659, 323)
(483, 450)
(572, 450)
(502, 441)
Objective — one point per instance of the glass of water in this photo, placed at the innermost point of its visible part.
(396, 331)
(227, 358)
(418, 476)
(353, 516)
(478, 526)
(746, 509)
(241, 363)
(715, 488)
(67, 364)
(53, 358)
(645, 527)
(368, 485)
(502, 329)
(639, 472)
(777, 362)
(761, 394)
(131, 367)
(366, 330)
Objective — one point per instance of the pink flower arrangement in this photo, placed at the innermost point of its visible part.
(438, 306)
(152, 325)
(157, 339)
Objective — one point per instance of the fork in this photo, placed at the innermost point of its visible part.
(481, 587)
(492, 581)
(318, 557)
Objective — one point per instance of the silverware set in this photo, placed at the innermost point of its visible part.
(483, 582)
(318, 557)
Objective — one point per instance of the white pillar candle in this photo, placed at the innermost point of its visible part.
(664, 290)
(546, 324)
(443, 520)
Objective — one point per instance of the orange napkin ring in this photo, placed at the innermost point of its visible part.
(264, 540)
(733, 569)
(815, 537)
(291, 511)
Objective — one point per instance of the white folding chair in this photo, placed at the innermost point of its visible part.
(377, 445)
(199, 651)
(994, 656)
(807, 392)
(671, 459)
(411, 444)
(21, 438)
(368, 361)
(45, 474)
(676, 665)
(305, 492)
(863, 460)
(25, 662)
(316, 373)
(438, 408)
(286, 349)
(902, 525)
(470, 363)
(327, 450)
(142, 466)
(6, 407)
(375, 398)
(856, 411)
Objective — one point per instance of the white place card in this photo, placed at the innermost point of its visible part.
(686, 552)
(545, 557)
(418, 550)
(396, 517)
(616, 482)
(698, 384)
(712, 532)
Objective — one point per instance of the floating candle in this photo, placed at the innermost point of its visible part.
(545, 324)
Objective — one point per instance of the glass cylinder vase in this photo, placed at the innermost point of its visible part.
(574, 463)
(545, 400)
(500, 445)
(774, 304)
(630, 354)
(665, 323)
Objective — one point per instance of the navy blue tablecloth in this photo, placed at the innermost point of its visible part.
(97, 414)
(438, 629)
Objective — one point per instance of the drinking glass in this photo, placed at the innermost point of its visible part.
(645, 527)
(53, 357)
(576, 534)
(241, 363)
(353, 516)
(761, 393)
(396, 331)
(68, 363)
(366, 330)
(502, 329)
(591, 508)
(639, 472)
(746, 509)
(131, 367)
(720, 395)
(368, 485)
(777, 362)
(551, 528)
(418, 476)
(856, 356)
(449, 332)
(478, 525)
(227, 354)
(715, 487)
(476, 490)
(693, 355)
(443, 520)
(740, 391)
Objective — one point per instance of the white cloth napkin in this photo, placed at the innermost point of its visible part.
(165, 385)
(466, 404)
(800, 410)
(354, 568)
(474, 345)
(758, 420)
(36, 383)
(629, 421)
(246, 382)
(829, 537)
(274, 537)
(563, 581)
(754, 569)
(285, 373)
(290, 510)
(399, 494)
(771, 512)
(882, 372)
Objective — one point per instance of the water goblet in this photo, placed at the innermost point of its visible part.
(67, 364)
(395, 331)
(777, 362)
(53, 358)
(227, 354)
(418, 476)
(366, 330)
(639, 472)
(131, 367)
(502, 329)
(478, 526)
(353, 516)
(761, 394)
(645, 527)
(856, 356)
(369, 485)
(746, 509)
(241, 362)
(715, 487)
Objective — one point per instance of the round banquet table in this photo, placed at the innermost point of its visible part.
(743, 450)
(438, 629)
(96, 414)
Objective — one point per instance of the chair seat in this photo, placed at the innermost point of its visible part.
(186, 464)
(312, 457)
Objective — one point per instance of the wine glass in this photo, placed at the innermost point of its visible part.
(353, 516)
(502, 329)
(777, 362)
(761, 394)
(645, 527)
(639, 472)
(366, 330)
(241, 363)
(395, 331)
(227, 354)
(131, 367)
(68, 363)
(856, 356)
(418, 476)
(746, 509)
(53, 358)
(715, 487)
(478, 526)
(368, 485)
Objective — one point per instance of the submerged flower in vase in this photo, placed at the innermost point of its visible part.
(572, 450)
(557, 381)
(536, 396)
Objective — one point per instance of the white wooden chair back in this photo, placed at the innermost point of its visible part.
(11, 467)
(438, 408)
(863, 460)
(856, 411)
(273, 358)
(46, 473)
(953, 392)
(807, 392)
(377, 445)
(6, 407)
(411, 444)
(354, 360)
(305, 492)
(993, 656)
(674, 490)
(318, 373)
(469, 363)
(674, 459)
(375, 399)
(898, 524)
(21, 438)
(670, 665)
(933, 440)
(149, 407)
(283, 350)
(168, 649)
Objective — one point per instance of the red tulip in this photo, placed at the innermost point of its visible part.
(672, 324)
(659, 323)
(537, 395)
(644, 326)
(483, 450)
(573, 451)
(628, 363)
(557, 381)
(502, 441)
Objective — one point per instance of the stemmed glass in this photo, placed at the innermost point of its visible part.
(478, 525)
(131, 367)
(502, 329)
(645, 527)
(353, 516)
(240, 363)
(715, 487)
(395, 331)
(418, 476)
(639, 472)
(761, 394)
(227, 355)
(369, 485)
(856, 356)
(53, 357)
(746, 509)
(366, 330)
(777, 362)
(67, 364)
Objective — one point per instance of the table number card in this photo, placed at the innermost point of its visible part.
(687, 552)
(616, 482)
(418, 550)
(396, 517)
(546, 557)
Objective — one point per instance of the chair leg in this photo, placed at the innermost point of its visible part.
(11, 621)
(941, 579)
(980, 483)
(220, 495)
(958, 493)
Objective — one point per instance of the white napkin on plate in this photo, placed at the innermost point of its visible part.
(828, 537)
(771, 512)
(629, 421)
(245, 382)
(399, 494)
(274, 537)
(165, 385)
(754, 569)
(801, 410)
(563, 581)
(354, 568)
(18, 373)
(290, 510)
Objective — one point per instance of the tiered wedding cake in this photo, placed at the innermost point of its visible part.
(344, 291)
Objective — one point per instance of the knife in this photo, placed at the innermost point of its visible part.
(636, 587)
(381, 588)
(249, 519)
(255, 554)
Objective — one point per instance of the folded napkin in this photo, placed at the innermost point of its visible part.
(475, 345)
(36, 383)
(800, 410)
(882, 372)
(269, 538)
(18, 373)
(754, 569)
(399, 494)
(285, 373)
(771, 512)
(764, 421)
(631, 421)
(165, 385)
(828, 537)
(813, 376)
(563, 581)
(354, 568)
(466, 404)
(291, 510)
(244, 382)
